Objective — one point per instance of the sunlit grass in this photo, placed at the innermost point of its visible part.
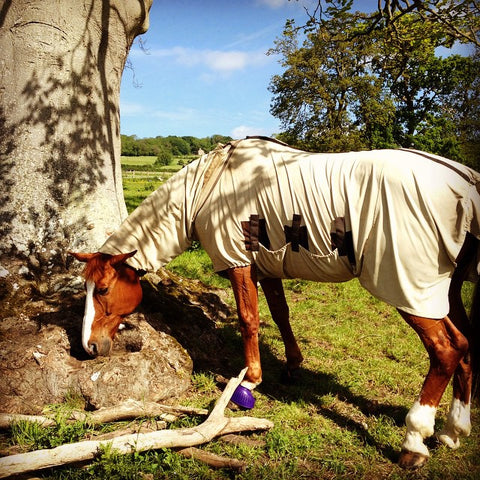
(142, 160)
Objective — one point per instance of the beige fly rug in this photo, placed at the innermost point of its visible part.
(396, 219)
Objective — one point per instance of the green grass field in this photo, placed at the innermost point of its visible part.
(344, 419)
(137, 184)
(145, 160)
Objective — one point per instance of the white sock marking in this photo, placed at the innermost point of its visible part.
(88, 316)
(458, 424)
(250, 385)
(420, 424)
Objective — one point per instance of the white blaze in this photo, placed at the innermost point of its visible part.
(88, 316)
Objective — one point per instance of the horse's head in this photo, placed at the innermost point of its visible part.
(113, 291)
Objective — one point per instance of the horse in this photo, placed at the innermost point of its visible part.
(405, 223)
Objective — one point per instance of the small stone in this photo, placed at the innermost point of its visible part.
(23, 270)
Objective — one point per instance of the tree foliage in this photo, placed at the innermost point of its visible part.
(353, 81)
(167, 147)
(459, 20)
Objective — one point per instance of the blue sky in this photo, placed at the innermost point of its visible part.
(206, 70)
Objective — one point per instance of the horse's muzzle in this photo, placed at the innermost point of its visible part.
(100, 348)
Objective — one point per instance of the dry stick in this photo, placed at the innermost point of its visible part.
(216, 424)
(129, 430)
(212, 460)
(128, 409)
(6, 420)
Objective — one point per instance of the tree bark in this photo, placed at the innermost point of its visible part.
(60, 74)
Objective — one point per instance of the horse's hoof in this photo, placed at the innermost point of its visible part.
(449, 439)
(411, 460)
(291, 376)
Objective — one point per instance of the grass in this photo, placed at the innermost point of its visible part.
(145, 160)
(138, 184)
(344, 419)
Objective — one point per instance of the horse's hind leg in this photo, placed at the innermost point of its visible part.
(277, 303)
(446, 346)
(458, 419)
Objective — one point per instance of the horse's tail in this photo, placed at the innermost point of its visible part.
(474, 341)
(467, 269)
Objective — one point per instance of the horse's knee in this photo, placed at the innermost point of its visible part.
(445, 344)
(249, 326)
(447, 352)
(461, 345)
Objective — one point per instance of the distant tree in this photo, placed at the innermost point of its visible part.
(423, 85)
(178, 145)
(216, 139)
(164, 157)
(129, 145)
(195, 144)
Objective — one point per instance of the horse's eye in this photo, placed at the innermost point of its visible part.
(102, 291)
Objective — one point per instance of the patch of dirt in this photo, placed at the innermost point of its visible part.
(42, 360)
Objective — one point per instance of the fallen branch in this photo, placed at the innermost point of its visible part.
(212, 460)
(124, 411)
(216, 424)
(127, 431)
(6, 420)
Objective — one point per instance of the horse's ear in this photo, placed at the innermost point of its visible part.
(82, 257)
(122, 257)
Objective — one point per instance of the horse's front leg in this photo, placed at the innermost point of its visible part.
(277, 303)
(446, 346)
(244, 284)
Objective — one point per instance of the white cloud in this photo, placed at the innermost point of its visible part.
(179, 115)
(219, 61)
(226, 61)
(273, 3)
(243, 131)
(130, 109)
(265, 33)
(277, 4)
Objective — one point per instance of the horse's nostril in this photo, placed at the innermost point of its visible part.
(100, 347)
(93, 349)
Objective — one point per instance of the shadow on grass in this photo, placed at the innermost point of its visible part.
(190, 311)
(309, 386)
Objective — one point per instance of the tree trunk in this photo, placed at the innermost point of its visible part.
(60, 73)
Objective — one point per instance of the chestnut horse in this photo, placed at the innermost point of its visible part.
(405, 223)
